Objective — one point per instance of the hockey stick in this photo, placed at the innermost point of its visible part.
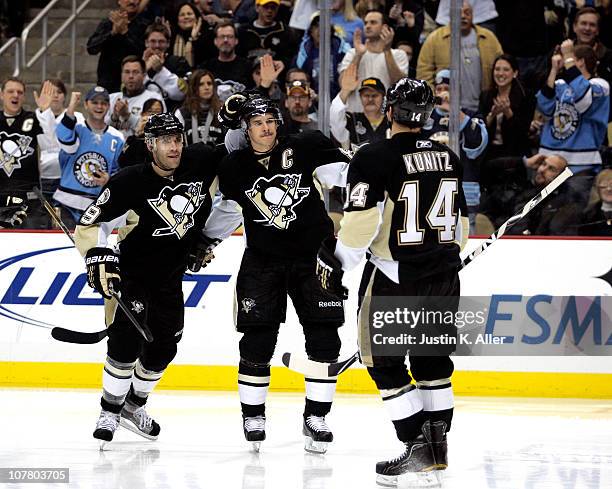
(70, 336)
(52, 213)
(320, 369)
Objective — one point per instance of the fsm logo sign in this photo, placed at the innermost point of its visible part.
(50, 277)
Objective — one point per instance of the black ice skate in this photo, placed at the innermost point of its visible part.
(136, 419)
(105, 427)
(317, 434)
(439, 445)
(416, 464)
(254, 430)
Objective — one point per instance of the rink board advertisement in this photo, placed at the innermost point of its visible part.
(43, 284)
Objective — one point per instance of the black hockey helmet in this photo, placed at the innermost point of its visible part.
(259, 106)
(412, 100)
(162, 125)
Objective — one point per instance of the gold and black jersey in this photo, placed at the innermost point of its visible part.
(404, 201)
(158, 217)
(280, 192)
(19, 152)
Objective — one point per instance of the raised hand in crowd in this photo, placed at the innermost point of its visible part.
(75, 100)
(409, 18)
(43, 101)
(348, 82)
(386, 37)
(567, 50)
(153, 61)
(121, 109)
(269, 70)
(501, 105)
(556, 63)
(195, 30)
(120, 21)
(395, 13)
(358, 44)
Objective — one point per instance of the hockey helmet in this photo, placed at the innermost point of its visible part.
(161, 125)
(259, 106)
(412, 100)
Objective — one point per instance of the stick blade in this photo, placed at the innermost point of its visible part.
(69, 336)
(305, 366)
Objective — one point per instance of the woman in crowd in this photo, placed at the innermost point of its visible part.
(199, 111)
(508, 110)
(187, 40)
(597, 218)
(345, 20)
(135, 150)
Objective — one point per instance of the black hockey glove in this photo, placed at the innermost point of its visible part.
(201, 253)
(13, 211)
(329, 270)
(103, 270)
(231, 110)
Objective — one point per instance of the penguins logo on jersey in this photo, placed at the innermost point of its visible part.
(565, 121)
(177, 206)
(87, 166)
(13, 149)
(276, 198)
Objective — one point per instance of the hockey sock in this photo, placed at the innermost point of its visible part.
(116, 381)
(405, 409)
(253, 384)
(143, 383)
(438, 400)
(319, 396)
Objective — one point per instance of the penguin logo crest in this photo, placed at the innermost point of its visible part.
(177, 207)
(276, 198)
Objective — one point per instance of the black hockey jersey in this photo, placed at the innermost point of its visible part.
(361, 131)
(404, 202)
(159, 216)
(19, 152)
(280, 192)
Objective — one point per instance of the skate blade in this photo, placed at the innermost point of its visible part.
(312, 446)
(103, 444)
(128, 425)
(255, 445)
(411, 479)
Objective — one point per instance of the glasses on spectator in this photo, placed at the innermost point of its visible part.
(605, 185)
(226, 36)
(299, 98)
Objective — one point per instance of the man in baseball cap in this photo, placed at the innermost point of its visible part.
(298, 103)
(97, 92)
(372, 84)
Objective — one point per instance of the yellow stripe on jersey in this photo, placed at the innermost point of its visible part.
(358, 227)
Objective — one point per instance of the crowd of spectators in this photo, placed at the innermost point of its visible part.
(534, 92)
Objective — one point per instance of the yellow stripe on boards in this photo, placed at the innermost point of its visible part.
(217, 377)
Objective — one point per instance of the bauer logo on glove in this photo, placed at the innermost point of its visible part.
(103, 271)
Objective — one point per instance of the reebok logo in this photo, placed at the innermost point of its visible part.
(330, 304)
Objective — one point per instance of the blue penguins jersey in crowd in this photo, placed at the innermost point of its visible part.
(19, 152)
(412, 186)
(84, 154)
(280, 192)
(159, 217)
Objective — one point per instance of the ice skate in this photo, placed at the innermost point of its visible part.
(439, 445)
(254, 430)
(317, 434)
(105, 427)
(416, 464)
(136, 419)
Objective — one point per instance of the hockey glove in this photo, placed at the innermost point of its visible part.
(13, 211)
(201, 253)
(329, 270)
(231, 110)
(103, 270)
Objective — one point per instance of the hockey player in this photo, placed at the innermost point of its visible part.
(89, 153)
(413, 187)
(161, 205)
(276, 182)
